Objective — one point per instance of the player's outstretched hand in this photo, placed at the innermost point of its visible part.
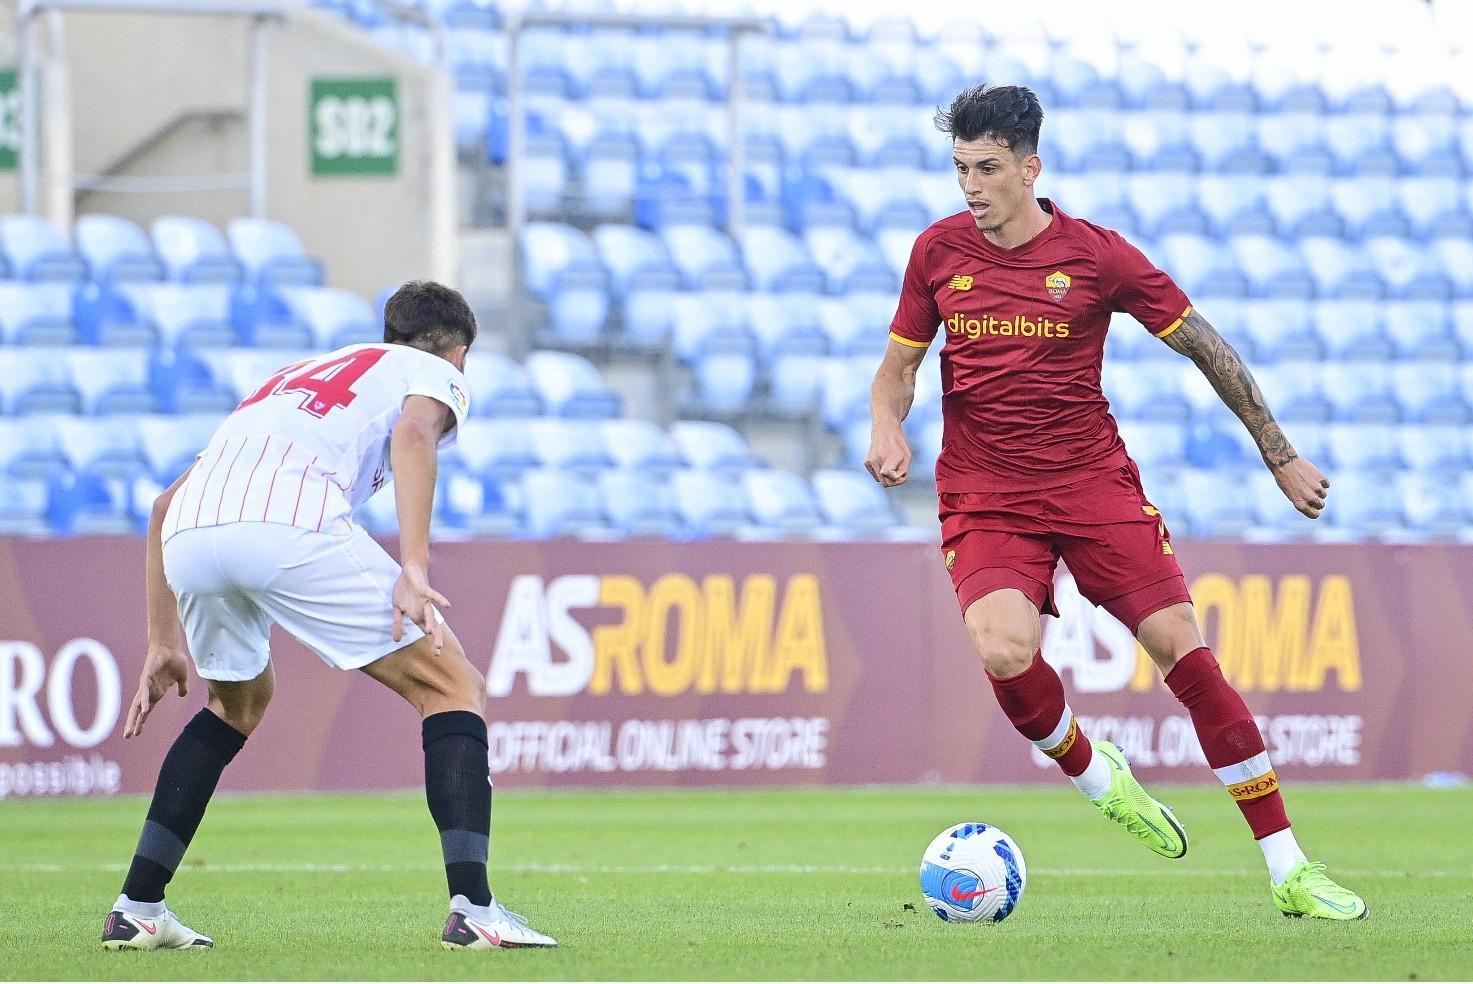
(888, 461)
(1304, 484)
(416, 600)
(163, 667)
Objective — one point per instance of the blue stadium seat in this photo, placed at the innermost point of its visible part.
(850, 262)
(33, 249)
(1140, 392)
(711, 445)
(1352, 329)
(1294, 392)
(1433, 206)
(1461, 315)
(1426, 144)
(1431, 392)
(1154, 196)
(29, 448)
(1218, 444)
(572, 445)
(845, 389)
(1364, 203)
(1454, 259)
(272, 254)
(561, 503)
(109, 447)
(333, 316)
(1201, 266)
(795, 381)
(1366, 503)
(852, 500)
(86, 503)
(1159, 443)
(781, 499)
(547, 173)
(1364, 446)
(1273, 268)
(1433, 447)
(38, 380)
(1339, 269)
(1234, 203)
(786, 324)
(1218, 136)
(710, 503)
(116, 249)
(190, 315)
(1216, 503)
(552, 252)
(635, 259)
(1421, 330)
(182, 382)
(500, 448)
(725, 382)
(500, 387)
(1436, 503)
(1360, 142)
(37, 314)
(570, 386)
(640, 446)
(638, 506)
(1403, 267)
(776, 260)
(705, 256)
(170, 444)
(709, 323)
(195, 252)
(1361, 392)
(23, 506)
(112, 381)
(857, 323)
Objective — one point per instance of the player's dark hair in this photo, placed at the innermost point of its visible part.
(1009, 114)
(429, 316)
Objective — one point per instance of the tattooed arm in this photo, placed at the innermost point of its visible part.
(1299, 479)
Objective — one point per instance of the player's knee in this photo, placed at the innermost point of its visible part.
(244, 713)
(1005, 651)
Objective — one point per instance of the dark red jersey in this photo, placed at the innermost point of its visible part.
(1025, 330)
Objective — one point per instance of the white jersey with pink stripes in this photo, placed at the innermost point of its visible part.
(312, 443)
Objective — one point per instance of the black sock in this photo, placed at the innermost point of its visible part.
(186, 782)
(458, 789)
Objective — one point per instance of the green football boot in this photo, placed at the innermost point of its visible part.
(1129, 805)
(1308, 891)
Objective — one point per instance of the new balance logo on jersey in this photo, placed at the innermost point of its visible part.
(1041, 327)
(960, 282)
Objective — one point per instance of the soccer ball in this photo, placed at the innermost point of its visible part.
(973, 872)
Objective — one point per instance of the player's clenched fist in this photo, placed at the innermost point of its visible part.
(1304, 484)
(888, 461)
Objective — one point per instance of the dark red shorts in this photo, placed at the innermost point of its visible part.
(1115, 542)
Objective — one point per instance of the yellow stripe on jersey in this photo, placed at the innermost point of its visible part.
(909, 341)
(1174, 325)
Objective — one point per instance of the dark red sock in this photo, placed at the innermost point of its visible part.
(1034, 701)
(1230, 740)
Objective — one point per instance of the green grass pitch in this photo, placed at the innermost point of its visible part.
(771, 884)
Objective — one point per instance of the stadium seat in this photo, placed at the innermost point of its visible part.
(705, 257)
(1430, 392)
(1273, 268)
(638, 506)
(1338, 269)
(1350, 329)
(1294, 392)
(570, 386)
(271, 253)
(571, 445)
(1364, 446)
(112, 382)
(87, 504)
(29, 448)
(193, 251)
(1421, 330)
(710, 503)
(33, 249)
(855, 502)
(857, 323)
(116, 249)
(786, 324)
(850, 262)
(110, 447)
(1366, 503)
(500, 448)
(1159, 443)
(1361, 392)
(1430, 447)
(1436, 503)
(635, 259)
(725, 382)
(560, 503)
(37, 314)
(712, 446)
(188, 315)
(170, 444)
(38, 380)
(23, 506)
(1215, 502)
(500, 387)
(334, 317)
(641, 447)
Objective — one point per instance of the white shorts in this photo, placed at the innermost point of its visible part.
(331, 591)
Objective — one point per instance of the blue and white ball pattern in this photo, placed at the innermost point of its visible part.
(973, 872)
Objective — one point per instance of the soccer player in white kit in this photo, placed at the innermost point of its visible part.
(259, 530)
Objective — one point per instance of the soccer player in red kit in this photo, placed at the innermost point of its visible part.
(1032, 469)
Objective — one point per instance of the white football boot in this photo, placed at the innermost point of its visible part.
(125, 931)
(467, 930)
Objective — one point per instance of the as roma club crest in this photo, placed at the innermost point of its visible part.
(950, 559)
(1057, 284)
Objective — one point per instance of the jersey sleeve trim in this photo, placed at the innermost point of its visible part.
(909, 341)
(1174, 325)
